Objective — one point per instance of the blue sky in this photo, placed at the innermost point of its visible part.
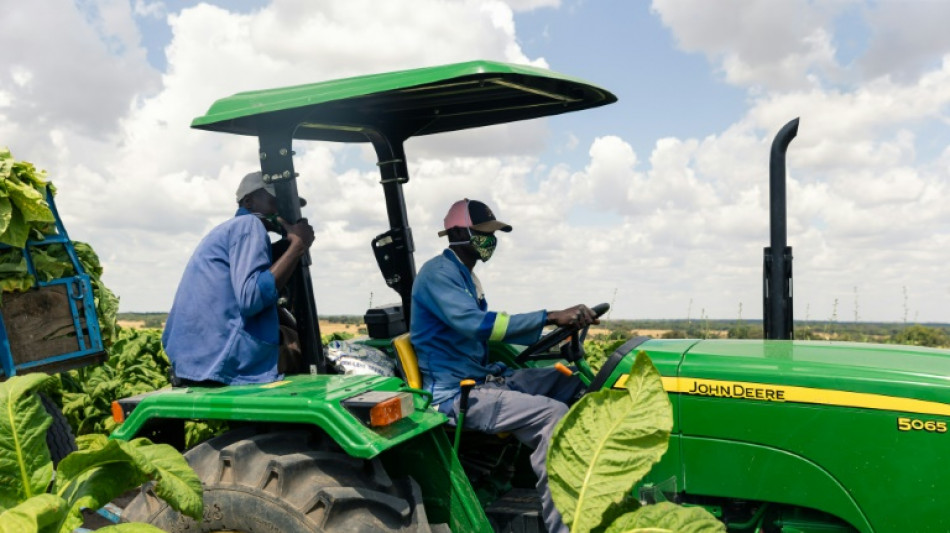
(658, 202)
(622, 46)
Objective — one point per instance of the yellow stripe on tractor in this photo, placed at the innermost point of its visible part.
(768, 392)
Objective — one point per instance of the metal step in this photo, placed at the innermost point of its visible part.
(518, 511)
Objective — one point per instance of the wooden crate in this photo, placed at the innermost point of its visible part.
(40, 324)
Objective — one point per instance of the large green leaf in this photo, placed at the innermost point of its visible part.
(25, 465)
(52, 262)
(30, 201)
(40, 513)
(107, 307)
(175, 481)
(6, 213)
(14, 275)
(6, 163)
(102, 469)
(666, 517)
(28, 174)
(88, 258)
(606, 443)
(12, 261)
(17, 231)
(90, 478)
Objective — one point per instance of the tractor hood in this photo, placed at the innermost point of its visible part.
(891, 377)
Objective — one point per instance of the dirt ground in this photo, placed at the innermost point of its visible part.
(329, 328)
(654, 333)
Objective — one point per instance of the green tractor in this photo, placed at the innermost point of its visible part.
(773, 435)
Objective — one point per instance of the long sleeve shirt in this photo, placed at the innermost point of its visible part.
(451, 326)
(223, 324)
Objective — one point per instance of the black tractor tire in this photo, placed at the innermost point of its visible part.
(59, 437)
(287, 482)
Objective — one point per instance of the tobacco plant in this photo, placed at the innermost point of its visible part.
(34, 499)
(136, 364)
(602, 448)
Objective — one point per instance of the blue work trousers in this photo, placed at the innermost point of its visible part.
(527, 404)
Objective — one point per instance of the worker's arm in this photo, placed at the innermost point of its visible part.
(451, 301)
(301, 237)
(248, 262)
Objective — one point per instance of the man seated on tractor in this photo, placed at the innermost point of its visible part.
(451, 327)
(223, 328)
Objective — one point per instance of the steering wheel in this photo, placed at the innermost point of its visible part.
(557, 336)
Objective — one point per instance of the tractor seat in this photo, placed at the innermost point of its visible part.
(408, 361)
(410, 366)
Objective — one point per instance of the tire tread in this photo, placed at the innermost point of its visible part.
(295, 472)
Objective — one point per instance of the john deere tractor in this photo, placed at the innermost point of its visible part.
(769, 435)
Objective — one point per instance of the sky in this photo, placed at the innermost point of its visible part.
(657, 204)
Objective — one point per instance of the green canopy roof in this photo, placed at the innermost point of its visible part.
(405, 103)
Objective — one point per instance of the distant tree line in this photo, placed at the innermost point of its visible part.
(150, 320)
(934, 335)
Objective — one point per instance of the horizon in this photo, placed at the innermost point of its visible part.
(718, 320)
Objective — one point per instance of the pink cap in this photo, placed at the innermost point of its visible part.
(472, 214)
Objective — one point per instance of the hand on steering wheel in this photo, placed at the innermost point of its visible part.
(579, 317)
(569, 321)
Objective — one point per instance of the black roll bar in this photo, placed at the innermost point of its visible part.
(394, 249)
(277, 166)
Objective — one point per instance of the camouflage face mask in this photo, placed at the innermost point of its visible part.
(484, 245)
(272, 223)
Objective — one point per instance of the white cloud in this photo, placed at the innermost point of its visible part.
(865, 202)
(127, 162)
(81, 71)
(530, 5)
(684, 222)
(770, 44)
(21, 75)
(143, 8)
(907, 38)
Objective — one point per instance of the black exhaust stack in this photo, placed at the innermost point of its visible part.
(777, 275)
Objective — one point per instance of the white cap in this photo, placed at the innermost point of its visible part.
(254, 181)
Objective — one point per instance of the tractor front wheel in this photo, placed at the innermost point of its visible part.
(59, 436)
(287, 481)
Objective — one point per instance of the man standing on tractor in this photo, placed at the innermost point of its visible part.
(451, 327)
(223, 328)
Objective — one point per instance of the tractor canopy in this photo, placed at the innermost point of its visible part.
(406, 103)
(386, 109)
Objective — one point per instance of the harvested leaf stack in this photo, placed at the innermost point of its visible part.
(24, 212)
(25, 215)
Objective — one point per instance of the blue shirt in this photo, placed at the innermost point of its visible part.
(451, 327)
(223, 323)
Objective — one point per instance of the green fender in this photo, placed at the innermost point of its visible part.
(302, 399)
(415, 445)
(747, 471)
